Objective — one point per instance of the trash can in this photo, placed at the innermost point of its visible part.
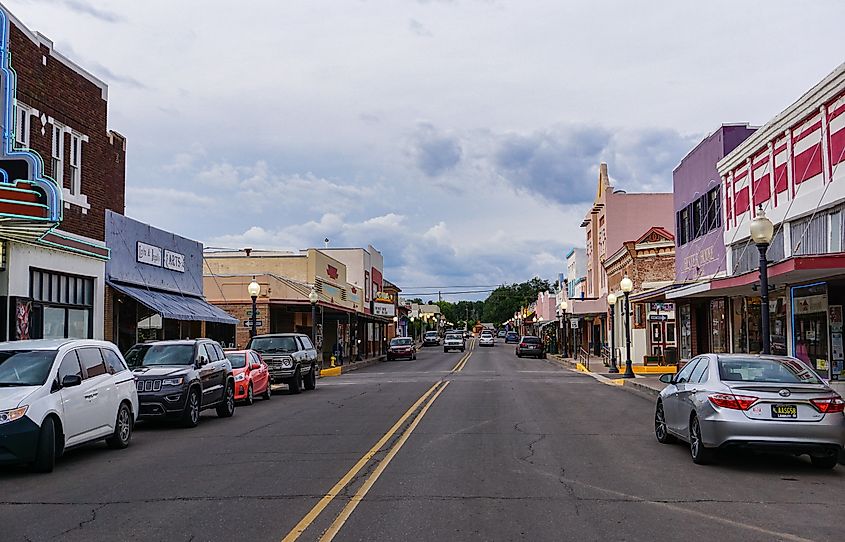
(670, 355)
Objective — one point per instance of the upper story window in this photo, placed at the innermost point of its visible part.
(75, 164)
(22, 125)
(699, 217)
(57, 152)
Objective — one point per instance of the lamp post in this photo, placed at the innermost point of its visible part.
(253, 289)
(313, 297)
(563, 306)
(626, 286)
(611, 300)
(762, 231)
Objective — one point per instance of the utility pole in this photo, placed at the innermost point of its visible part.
(439, 297)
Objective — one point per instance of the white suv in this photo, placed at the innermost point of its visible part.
(60, 393)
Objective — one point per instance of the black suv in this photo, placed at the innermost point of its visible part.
(291, 357)
(178, 379)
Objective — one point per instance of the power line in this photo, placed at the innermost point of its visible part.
(436, 294)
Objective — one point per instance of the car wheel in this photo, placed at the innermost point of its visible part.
(191, 414)
(446, 350)
(414, 356)
(268, 392)
(227, 407)
(311, 379)
(828, 461)
(45, 454)
(295, 383)
(701, 455)
(660, 429)
(250, 395)
(122, 428)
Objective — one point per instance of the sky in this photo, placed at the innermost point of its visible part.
(461, 138)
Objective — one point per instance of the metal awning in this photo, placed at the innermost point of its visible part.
(175, 306)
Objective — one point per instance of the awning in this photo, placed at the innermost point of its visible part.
(175, 306)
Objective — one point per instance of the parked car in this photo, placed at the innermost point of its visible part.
(502, 334)
(401, 347)
(486, 339)
(454, 341)
(291, 357)
(530, 346)
(720, 401)
(252, 376)
(177, 380)
(431, 338)
(59, 393)
(511, 337)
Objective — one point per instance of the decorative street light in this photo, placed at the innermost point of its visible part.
(313, 297)
(626, 286)
(762, 231)
(253, 289)
(563, 306)
(611, 300)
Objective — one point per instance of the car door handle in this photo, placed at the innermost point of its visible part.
(91, 395)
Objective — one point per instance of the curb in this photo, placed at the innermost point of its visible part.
(632, 385)
(341, 369)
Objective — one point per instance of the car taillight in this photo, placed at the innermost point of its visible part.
(523, 345)
(829, 405)
(734, 402)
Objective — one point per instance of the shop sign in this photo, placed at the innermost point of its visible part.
(383, 297)
(811, 304)
(174, 261)
(384, 309)
(149, 254)
(249, 313)
(258, 323)
(662, 307)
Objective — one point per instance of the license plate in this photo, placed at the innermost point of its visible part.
(784, 411)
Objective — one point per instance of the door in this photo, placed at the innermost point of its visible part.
(101, 390)
(75, 406)
(672, 407)
(261, 377)
(212, 390)
(687, 394)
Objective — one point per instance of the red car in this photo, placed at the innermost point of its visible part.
(401, 347)
(252, 377)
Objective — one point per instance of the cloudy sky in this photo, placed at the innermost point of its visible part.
(460, 137)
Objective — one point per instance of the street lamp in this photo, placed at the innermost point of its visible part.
(611, 300)
(253, 289)
(626, 286)
(313, 297)
(563, 306)
(762, 231)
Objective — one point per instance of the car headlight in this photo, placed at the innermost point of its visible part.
(7, 416)
(241, 377)
(172, 382)
(287, 363)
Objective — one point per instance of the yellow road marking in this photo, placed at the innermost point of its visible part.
(463, 363)
(335, 527)
(309, 518)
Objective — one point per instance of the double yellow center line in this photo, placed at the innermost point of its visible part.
(461, 362)
(426, 401)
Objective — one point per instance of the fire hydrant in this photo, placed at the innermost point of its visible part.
(332, 359)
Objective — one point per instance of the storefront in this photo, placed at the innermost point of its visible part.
(154, 287)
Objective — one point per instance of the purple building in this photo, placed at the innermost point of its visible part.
(700, 245)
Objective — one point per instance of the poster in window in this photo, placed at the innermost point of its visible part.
(23, 309)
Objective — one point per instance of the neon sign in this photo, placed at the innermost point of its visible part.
(30, 203)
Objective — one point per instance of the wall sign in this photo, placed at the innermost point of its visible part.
(149, 254)
(384, 309)
(174, 261)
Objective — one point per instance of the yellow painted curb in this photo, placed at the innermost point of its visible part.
(617, 381)
(654, 369)
(332, 371)
(581, 368)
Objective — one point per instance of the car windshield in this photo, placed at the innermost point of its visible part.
(777, 370)
(431, 334)
(146, 355)
(511, 334)
(273, 344)
(531, 340)
(25, 367)
(400, 341)
(455, 336)
(237, 359)
(486, 334)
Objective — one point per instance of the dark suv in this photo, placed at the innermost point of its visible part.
(291, 357)
(178, 379)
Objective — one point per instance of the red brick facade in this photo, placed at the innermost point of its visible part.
(59, 91)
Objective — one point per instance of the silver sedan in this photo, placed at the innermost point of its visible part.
(778, 403)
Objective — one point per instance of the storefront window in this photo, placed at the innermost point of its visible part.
(752, 315)
(809, 309)
(54, 323)
(77, 323)
(739, 331)
(777, 325)
(62, 305)
(718, 326)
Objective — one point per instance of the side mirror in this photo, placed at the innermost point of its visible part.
(667, 378)
(254, 366)
(70, 381)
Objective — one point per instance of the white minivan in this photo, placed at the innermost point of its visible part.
(60, 393)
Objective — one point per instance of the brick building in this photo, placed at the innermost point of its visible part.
(62, 168)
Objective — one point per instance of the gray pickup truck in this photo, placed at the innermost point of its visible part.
(291, 358)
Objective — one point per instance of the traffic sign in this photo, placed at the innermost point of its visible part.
(258, 323)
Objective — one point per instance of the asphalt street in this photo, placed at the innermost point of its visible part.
(460, 446)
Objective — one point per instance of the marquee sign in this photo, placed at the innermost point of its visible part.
(30, 203)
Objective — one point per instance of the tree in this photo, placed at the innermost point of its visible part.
(505, 300)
